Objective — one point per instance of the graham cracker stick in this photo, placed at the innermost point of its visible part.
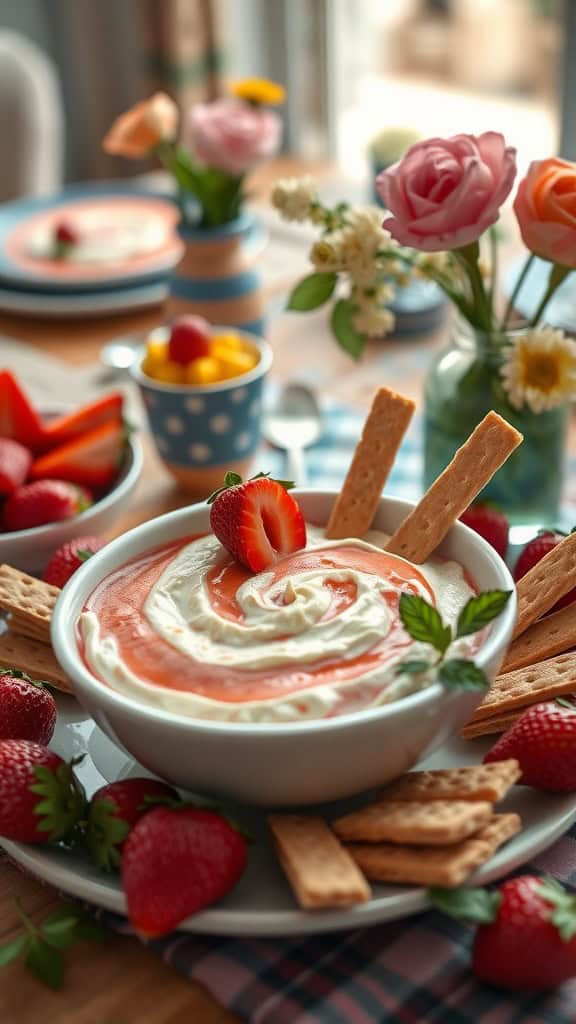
(517, 690)
(544, 584)
(430, 823)
(433, 865)
(473, 465)
(488, 782)
(29, 601)
(320, 871)
(554, 634)
(489, 726)
(34, 658)
(376, 450)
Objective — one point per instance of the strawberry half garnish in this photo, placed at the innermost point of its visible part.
(257, 520)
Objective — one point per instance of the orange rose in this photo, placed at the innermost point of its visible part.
(136, 132)
(545, 207)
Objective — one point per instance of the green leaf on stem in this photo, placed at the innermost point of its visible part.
(481, 610)
(343, 328)
(412, 668)
(459, 673)
(422, 621)
(479, 906)
(11, 950)
(313, 291)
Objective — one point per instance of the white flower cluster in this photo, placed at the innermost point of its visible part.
(295, 198)
(539, 370)
(354, 248)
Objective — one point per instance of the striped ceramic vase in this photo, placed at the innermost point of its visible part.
(216, 277)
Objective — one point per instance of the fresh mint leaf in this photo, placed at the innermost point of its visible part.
(10, 951)
(312, 291)
(480, 610)
(462, 674)
(475, 905)
(343, 329)
(423, 622)
(412, 668)
(46, 963)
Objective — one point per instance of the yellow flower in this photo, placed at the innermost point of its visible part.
(539, 370)
(259, 90)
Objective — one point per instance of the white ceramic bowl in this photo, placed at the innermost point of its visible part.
(279, 764)
(30, 550)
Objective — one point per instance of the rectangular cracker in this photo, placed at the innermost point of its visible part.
(489, 726)
(517, 690)
(33, 657)
(544, 584)
(473, 465)
(29, 601)
(320, 871)
(431, 823)
(554, 634)
(433, 865)
(488, 782)
(385, 426)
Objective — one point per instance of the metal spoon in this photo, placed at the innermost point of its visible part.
(293, 423)
(118, 355)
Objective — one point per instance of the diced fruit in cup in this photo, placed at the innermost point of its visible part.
(225, 356)
(44, 501)
(67, 559)
(190, 338)
(257, 521)
(15, 462)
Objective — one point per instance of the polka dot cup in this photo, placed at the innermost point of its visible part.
(201, 432)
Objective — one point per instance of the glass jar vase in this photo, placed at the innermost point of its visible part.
(463, 384)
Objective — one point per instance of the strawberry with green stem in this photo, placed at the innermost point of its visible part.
(41, 799)
(114, 809)
(526, 940)
(543, 741)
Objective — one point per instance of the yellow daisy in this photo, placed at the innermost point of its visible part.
(539, 370)
(259, 90)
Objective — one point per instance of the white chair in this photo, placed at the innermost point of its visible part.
(31, 120)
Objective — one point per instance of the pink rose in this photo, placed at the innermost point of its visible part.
(444, 193)
(545, 207)
(233, 136)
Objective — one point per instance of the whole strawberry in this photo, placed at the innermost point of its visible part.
(67, 559)
(176, 862)
(543, 740)
(526, 939)
(40, 798)
(27, 708)
(257, 521)
(534, 552)
(531, 944)
(490, 523)
(114, 809)
(45, 501)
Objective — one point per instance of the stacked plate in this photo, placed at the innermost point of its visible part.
(127, 245)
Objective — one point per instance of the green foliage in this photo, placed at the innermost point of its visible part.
(43, 946)
(312, 291)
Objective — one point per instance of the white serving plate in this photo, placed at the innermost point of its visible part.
(262, 904)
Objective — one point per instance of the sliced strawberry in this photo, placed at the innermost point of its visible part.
(84, 419)
(15, 462)
(18, 417)
(91, 459)
(41, 502)
(257, 521)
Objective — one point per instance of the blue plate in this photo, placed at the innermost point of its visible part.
(20, 270)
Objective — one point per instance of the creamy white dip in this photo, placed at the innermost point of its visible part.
(283, 626)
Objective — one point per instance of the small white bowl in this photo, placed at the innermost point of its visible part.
(279, 764)
(30, 550)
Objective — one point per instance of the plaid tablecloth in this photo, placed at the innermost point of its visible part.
(407, 972)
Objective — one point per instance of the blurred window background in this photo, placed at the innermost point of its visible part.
(353, 68)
